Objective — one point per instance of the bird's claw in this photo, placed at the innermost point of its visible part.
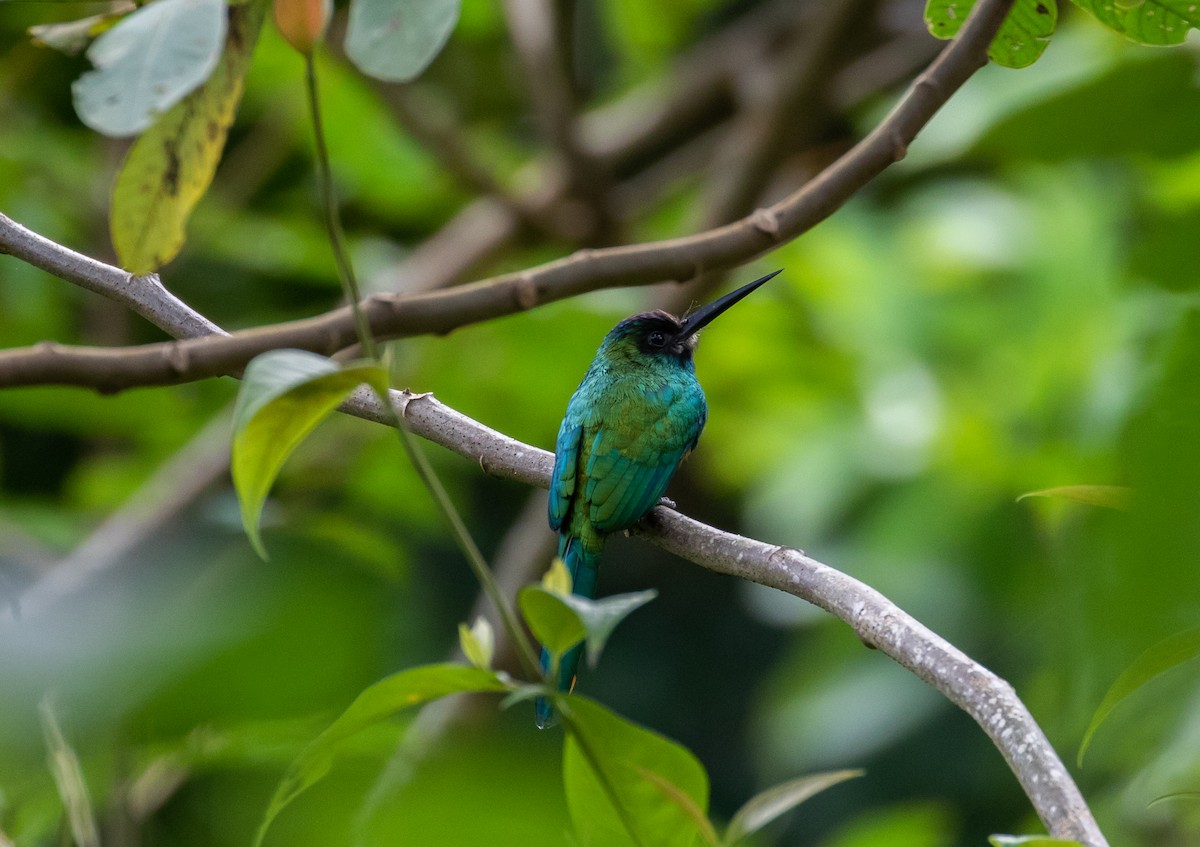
(666, 501)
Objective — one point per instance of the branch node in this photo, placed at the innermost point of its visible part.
(766, 221)
(525, 292)
(177, 358)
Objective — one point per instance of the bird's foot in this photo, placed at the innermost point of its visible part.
(666, 501)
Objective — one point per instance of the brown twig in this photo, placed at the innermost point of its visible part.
(392, 316)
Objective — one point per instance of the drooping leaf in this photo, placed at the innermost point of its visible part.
(168, 169)
(647, 774)
(377, 703)
(550, 619)
(1158, 659)
(1109, 496)
(1022, 37)
(395, 40)
(1030, 841)
(478, 642)
(284, 395)
(148, 62)
(768, 805)
(1157, 22)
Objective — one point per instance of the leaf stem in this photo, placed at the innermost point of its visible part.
(333, 220)
(424, 470)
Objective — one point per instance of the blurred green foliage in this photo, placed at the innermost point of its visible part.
(1010, 309)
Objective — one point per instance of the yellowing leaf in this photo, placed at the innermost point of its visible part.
(557, 580)
(478, 642)
(171, 165)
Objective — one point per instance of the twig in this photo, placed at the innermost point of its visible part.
(393, 316)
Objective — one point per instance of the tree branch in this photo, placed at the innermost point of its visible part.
(398, 315)
(987, 698)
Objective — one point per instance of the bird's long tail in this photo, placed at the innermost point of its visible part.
(583, 563)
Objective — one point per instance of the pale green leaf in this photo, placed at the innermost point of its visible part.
(1155, 22)
(284, 395)
(148, 62)
(607, 759)
(168, 169)
(1022, 37)
(395, 40)
(478, 642)
(1030, 841)
(600, 617)
(768, 805)
(377, 703)
(1158, 659)
(558, 578)
(1109, 496)
(550, 619)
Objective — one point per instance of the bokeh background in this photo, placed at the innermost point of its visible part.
(1011, 308)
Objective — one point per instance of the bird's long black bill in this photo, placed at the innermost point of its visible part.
(705, 315)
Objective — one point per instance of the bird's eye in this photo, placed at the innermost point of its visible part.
(656, 339)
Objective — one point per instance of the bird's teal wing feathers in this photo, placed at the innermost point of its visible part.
(628, 466)
(566, 469)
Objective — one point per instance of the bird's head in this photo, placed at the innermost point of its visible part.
(660, 333)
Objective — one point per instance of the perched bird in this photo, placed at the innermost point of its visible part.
(633, 419)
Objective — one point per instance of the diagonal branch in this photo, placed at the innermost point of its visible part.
(983, 695)
(397, 315)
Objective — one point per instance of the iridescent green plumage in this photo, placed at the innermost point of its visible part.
(636, 415)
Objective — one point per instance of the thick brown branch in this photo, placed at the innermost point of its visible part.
(679, 259)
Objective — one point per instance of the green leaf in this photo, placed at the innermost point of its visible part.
(1022, 37)
(478, 642)
(1175, 795)
(1030, 841)
(168, 169)
(1157, 22)
(600, 617)
(566, 619)
(1109, 496)
(558, 578)
(395, 40)
(550, 619)
(660, 786)
(284, 395)
(377, 703)
(768, 805)
(148, 62)
(1158, 659)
